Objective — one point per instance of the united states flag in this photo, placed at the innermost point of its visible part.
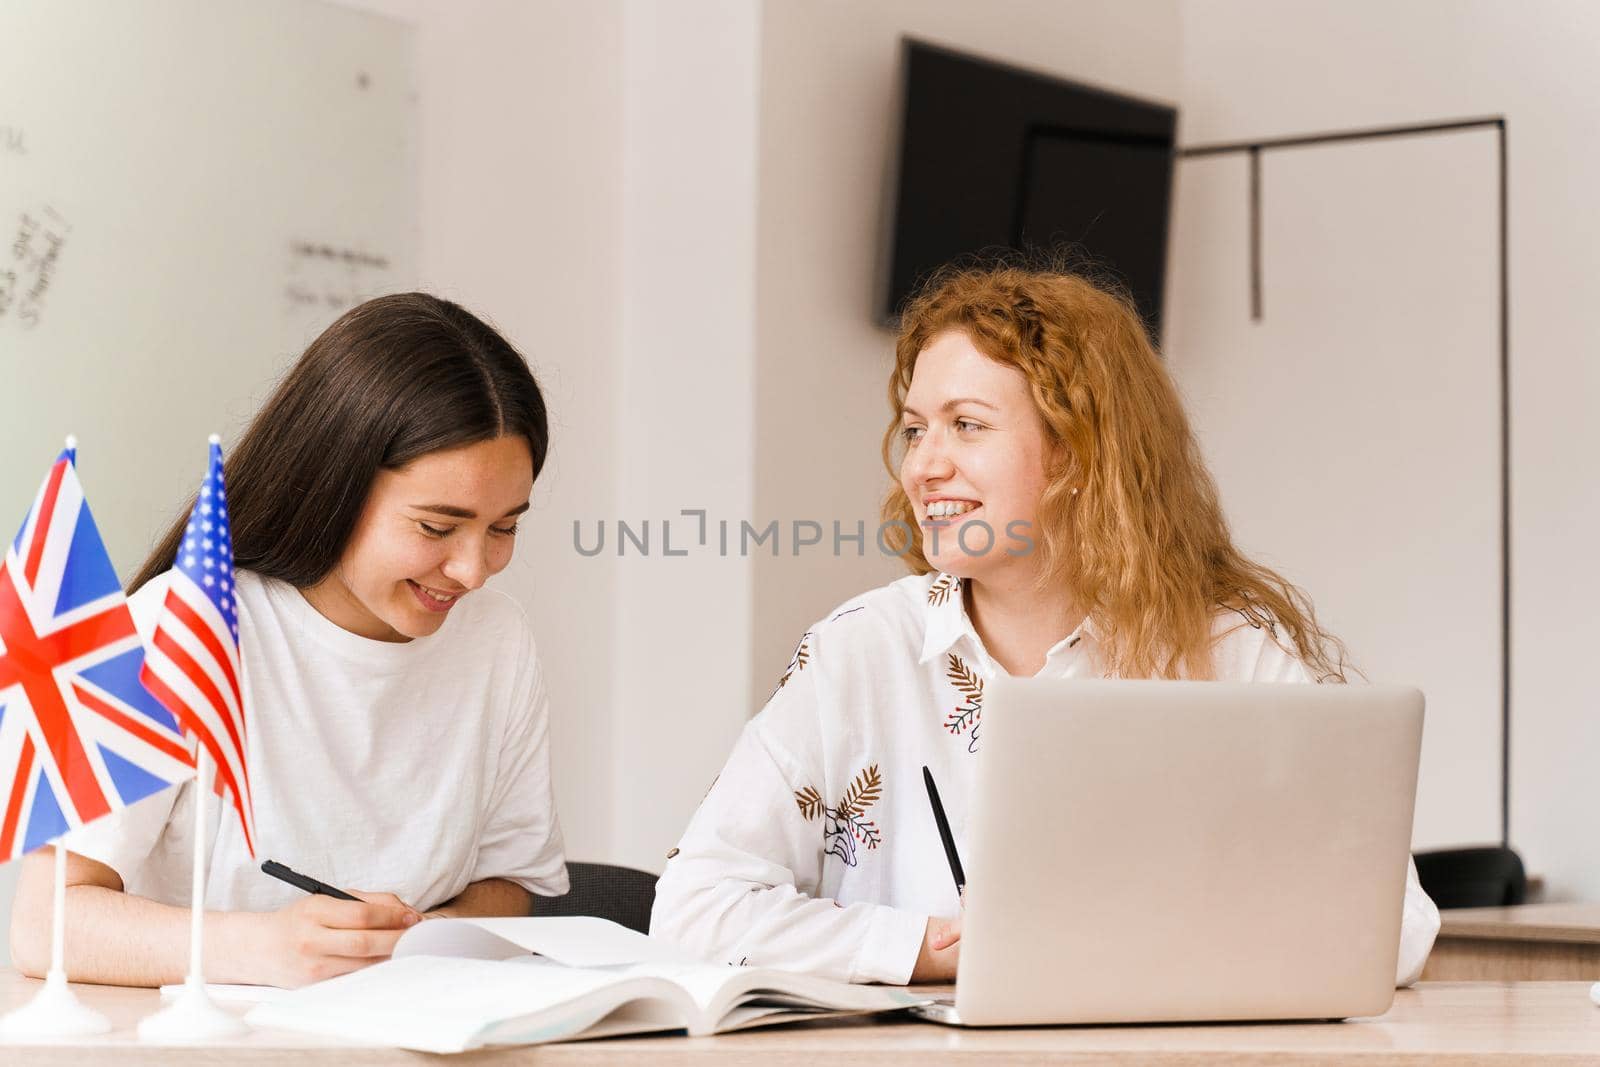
(193, 664)
(79, 736)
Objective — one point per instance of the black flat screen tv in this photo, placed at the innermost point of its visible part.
(993, 157)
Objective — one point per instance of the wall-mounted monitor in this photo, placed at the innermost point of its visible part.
(996, 157)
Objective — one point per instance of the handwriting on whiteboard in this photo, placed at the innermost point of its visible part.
(333, 277)
(26, 275)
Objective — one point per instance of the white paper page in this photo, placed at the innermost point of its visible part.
(644, 1016)
(431, 1003)
(577, 941)
(702, 981)
(709, 986)
(455, 937)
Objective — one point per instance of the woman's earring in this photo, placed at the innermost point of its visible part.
(1074, 490)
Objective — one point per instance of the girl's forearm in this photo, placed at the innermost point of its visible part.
(114, 938)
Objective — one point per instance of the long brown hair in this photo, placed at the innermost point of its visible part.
(391, 380)
(1143, 546)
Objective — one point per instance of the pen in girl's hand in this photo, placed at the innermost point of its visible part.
(301, 881)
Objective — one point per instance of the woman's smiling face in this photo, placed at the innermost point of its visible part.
(974, 465)
(429, 534)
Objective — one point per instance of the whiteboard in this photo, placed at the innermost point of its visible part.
(190, 190)
(1355, 430)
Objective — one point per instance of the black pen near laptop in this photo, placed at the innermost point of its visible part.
(944, 833)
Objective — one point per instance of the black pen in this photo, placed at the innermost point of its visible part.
(944, 833)
(300, 881)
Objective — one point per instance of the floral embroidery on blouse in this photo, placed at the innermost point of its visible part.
(969, 712)
(941, 589)
(846, 825)
(797, 662)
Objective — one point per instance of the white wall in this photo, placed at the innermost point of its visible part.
(682, 657)
(1356, 225)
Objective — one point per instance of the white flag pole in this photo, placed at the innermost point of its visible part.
(193, 1016)
(197, 884)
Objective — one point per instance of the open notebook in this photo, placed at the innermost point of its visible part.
(458, 984)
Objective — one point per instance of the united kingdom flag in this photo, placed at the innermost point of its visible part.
(79, 735)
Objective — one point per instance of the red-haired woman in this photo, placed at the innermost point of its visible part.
(1065, 526)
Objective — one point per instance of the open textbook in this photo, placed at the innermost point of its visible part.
(458, 984)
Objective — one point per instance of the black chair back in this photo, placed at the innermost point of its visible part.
(622, 894)
(1473, 877)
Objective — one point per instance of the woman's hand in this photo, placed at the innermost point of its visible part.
(941, 951)
(319, 937)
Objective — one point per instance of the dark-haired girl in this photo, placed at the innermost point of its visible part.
(397, 716)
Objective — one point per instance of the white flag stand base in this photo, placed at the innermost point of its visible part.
(191, 1017)
(55, 1011)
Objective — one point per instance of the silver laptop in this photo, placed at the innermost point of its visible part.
(1186, 851)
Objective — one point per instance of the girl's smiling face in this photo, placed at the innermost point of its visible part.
(974, 465)
(429, 534)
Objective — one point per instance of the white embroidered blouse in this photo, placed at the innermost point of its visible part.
(814, 851)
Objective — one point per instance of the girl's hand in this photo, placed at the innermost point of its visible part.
(941, 950)
(319, 937)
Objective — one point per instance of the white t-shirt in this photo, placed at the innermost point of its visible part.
(412, 768)
(814, 850)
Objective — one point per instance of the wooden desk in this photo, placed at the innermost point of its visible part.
(1533, 942)
(1459, 1023)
